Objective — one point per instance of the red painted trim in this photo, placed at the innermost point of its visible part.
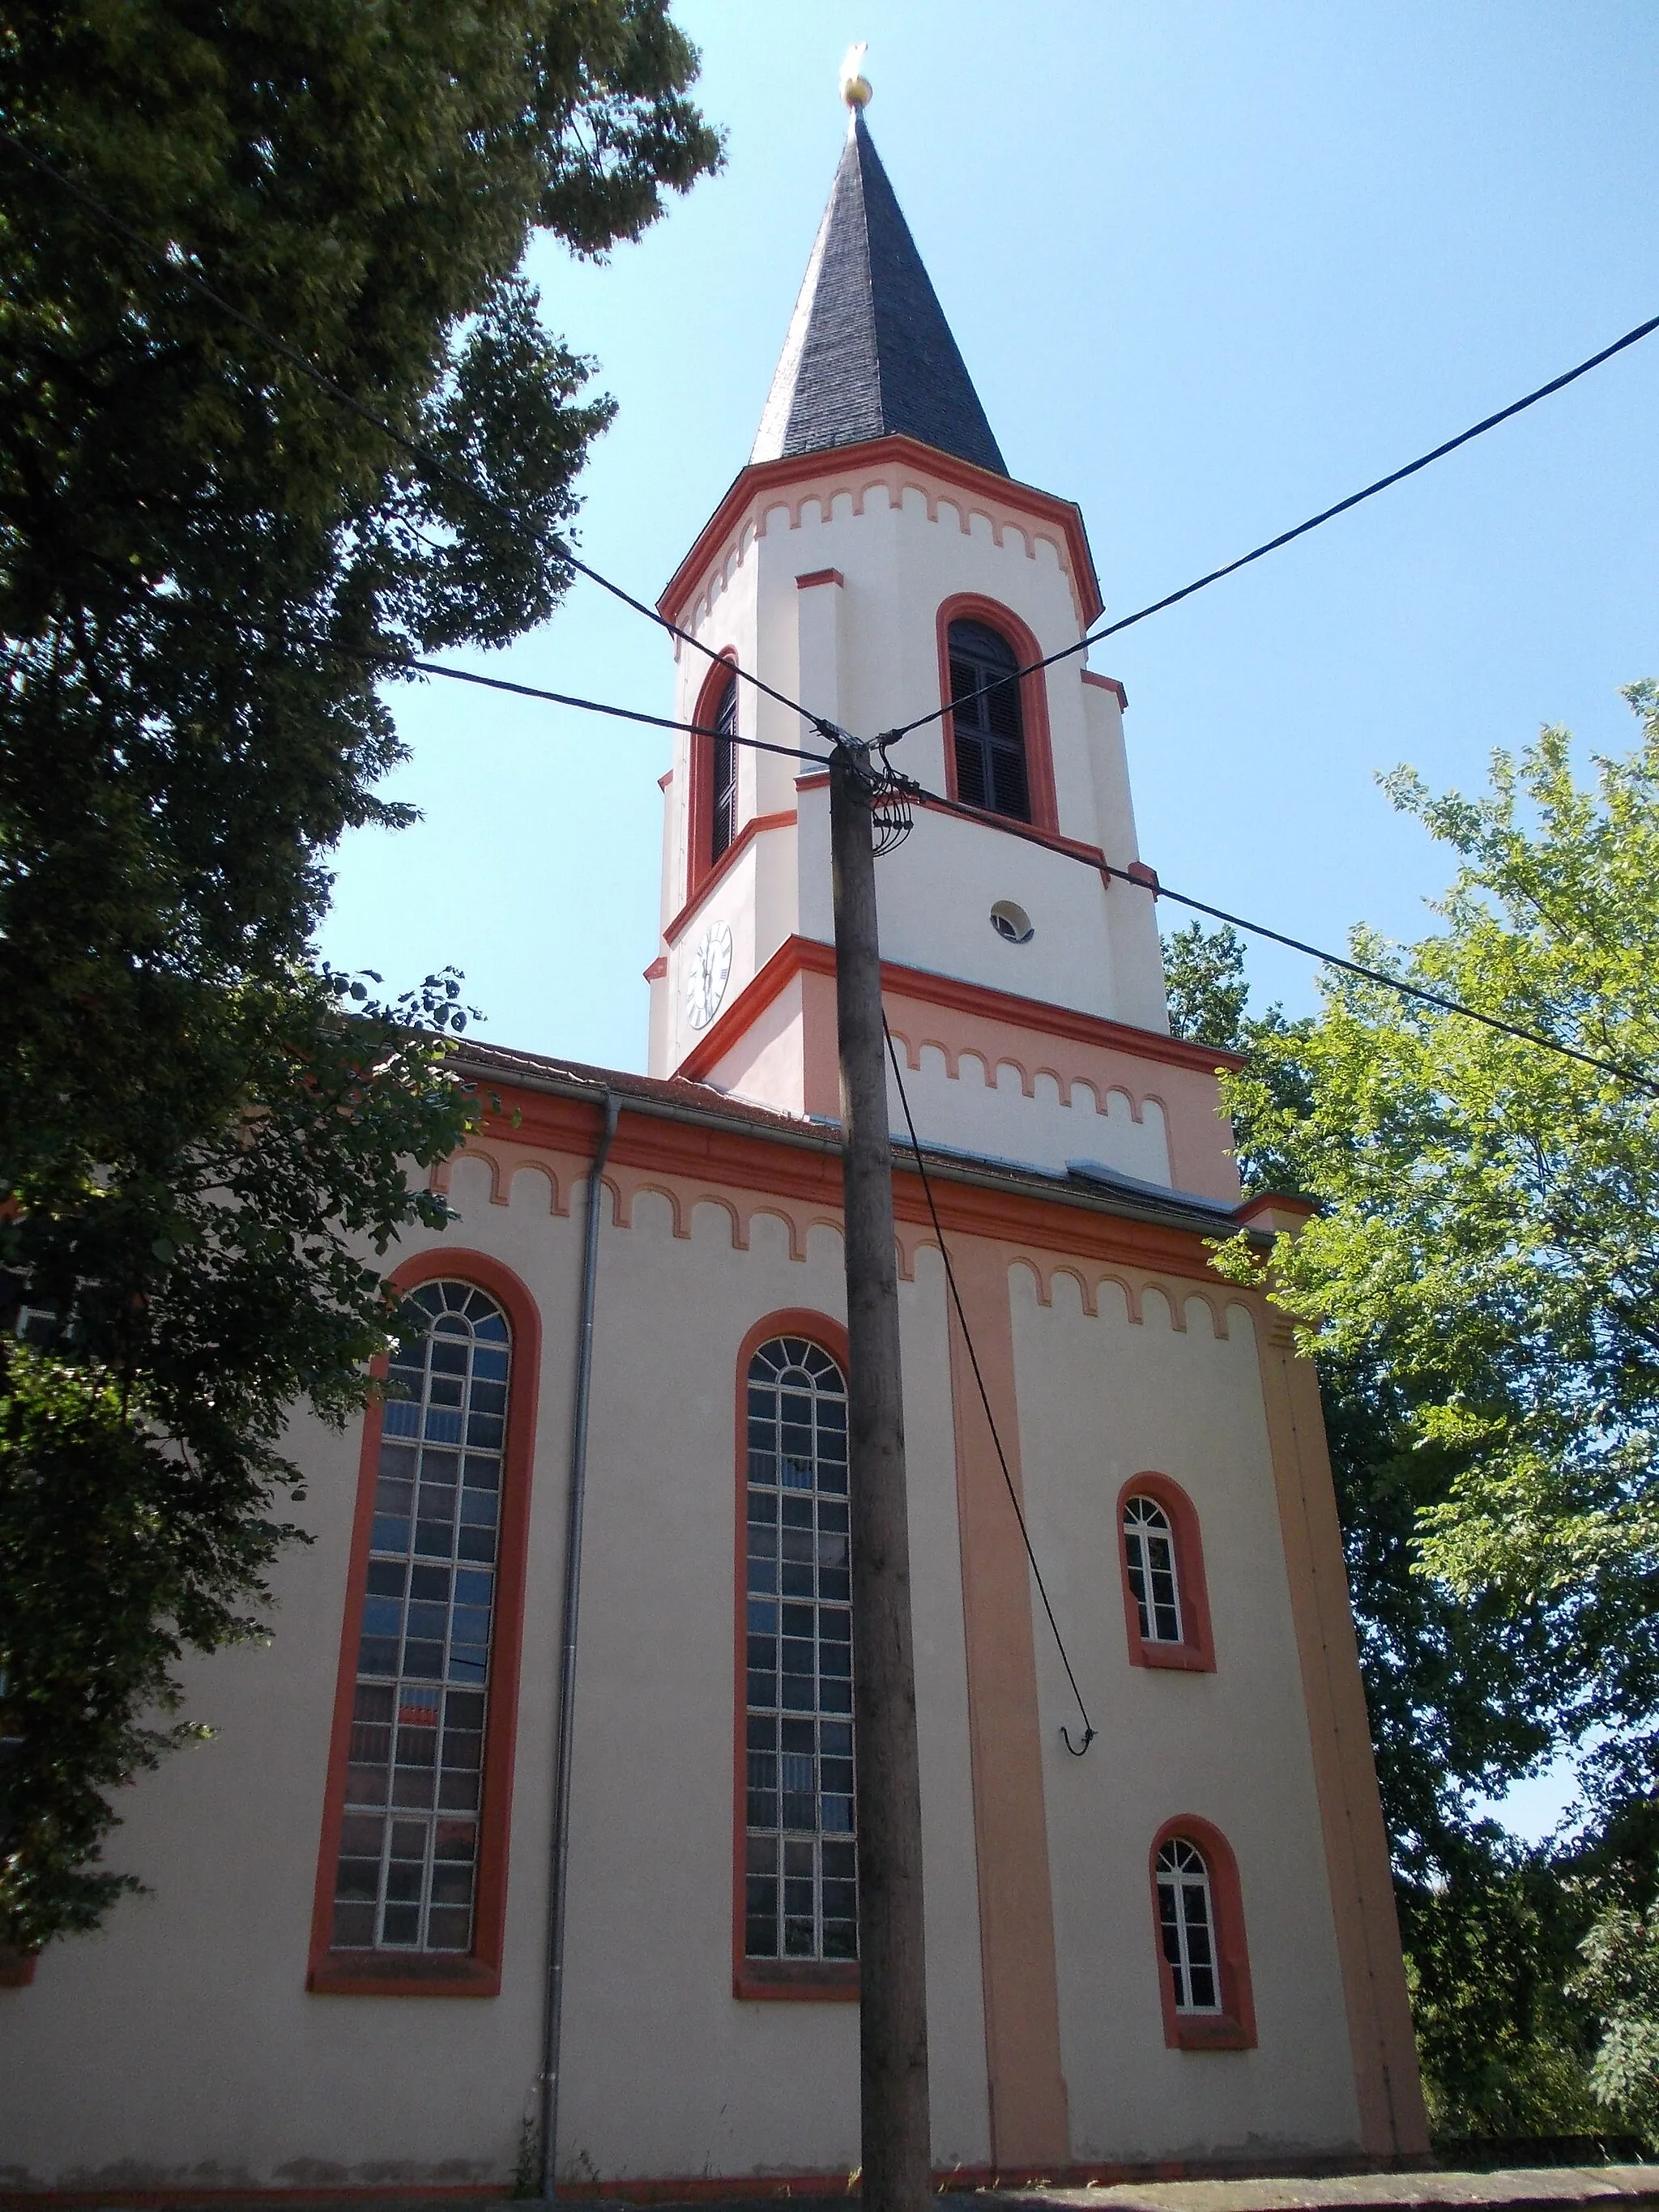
(755, 827)
(819, 576)
(800, 1981)
(833, 466)
(1108, 683)
(1196, 1654)
(815, 779)
(1234, 2028)
(798, 954)
(1028, 830)
(1264, 1210)
(700, 812)
(658, 969)
(971, 606)
(378, 1973)
(665, 779)
(753, 1156)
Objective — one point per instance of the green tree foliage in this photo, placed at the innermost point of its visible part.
(206, 557)
(1621, 1978)
(1488, 1207)
(1478, 1285)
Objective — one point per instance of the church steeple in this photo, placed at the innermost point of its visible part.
(875, 561)
(869, 352)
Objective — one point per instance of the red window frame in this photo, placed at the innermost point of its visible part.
(701, 864)
(1195, 1653)
(432, 1973)
(1233, 2028)
(821, 1981)
(969, 606)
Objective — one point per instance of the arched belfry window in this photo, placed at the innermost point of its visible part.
(723, 781)
(988, 724)
(407, 1872)
(800, 1899)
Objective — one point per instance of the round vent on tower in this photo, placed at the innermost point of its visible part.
(1013, 922)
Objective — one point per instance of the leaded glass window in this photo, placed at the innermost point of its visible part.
(988, 726)
(1149, 1546)
(1186, 1917)
(801, 1872)
(409, 1847)
(724, 788)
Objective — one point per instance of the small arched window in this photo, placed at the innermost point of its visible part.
(1149, 1549)
(1203, 1961)
(800, 1882)
(1166, 1606)
(987, 723)
(1186, 1920)
(407, 1872)
(723, 780)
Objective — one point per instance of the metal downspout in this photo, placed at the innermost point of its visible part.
(573, 1585)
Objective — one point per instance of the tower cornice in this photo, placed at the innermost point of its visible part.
(892, 462)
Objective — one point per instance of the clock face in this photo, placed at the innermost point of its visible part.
(705, 981)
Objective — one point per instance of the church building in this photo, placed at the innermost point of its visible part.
(1177, 1950)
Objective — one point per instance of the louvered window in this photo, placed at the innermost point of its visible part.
(409, 1849)
(725, 786)
(989, 731)
(801, 1873)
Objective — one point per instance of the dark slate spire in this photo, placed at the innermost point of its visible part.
(869, 352)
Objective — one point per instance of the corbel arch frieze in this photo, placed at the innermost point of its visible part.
(1172, 1297)
(682, 1195)
(1068, 1079)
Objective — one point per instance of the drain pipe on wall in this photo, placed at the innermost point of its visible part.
(572, 1588)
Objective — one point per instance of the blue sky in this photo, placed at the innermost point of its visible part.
(1210, 267)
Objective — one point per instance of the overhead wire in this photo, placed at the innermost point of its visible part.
(1285, 536)
(413, 447)
(396, 663)
(1089, 1729)
(1149, 881)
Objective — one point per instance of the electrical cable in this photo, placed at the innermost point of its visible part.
(395, 663)
(1419, 992)
(1285, 536)
(1089, 1730)
(412, 447)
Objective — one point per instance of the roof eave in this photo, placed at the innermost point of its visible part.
(766, 475)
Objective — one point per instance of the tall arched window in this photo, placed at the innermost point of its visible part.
(800, 1891)
(407, 1871)
(1149, 1549)
(1186, 1920)
(723, 783)
(988, 724)
(1203, 1959)
(1166, 1603)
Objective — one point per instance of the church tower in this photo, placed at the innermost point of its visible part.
(874, 560)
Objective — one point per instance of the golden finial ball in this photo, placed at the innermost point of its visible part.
(854, 85)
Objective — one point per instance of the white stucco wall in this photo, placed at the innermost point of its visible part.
(179, 2047)
(987, 1111)
(1103, 1398)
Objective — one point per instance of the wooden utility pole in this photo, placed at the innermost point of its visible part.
(893, 1987)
